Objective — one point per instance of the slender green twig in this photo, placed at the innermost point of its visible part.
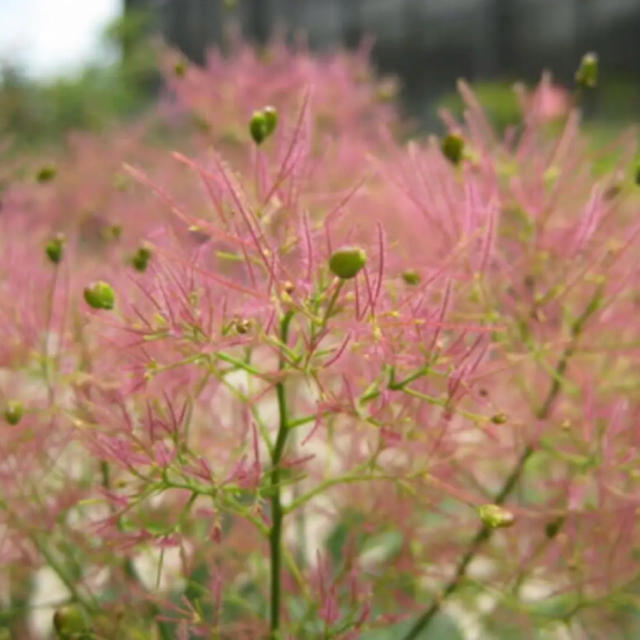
(277, 512)
(46, 364)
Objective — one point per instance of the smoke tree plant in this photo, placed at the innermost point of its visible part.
(298, 379)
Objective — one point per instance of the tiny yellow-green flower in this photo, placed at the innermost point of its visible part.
(495, 516)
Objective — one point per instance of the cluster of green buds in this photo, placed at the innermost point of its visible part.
(263, 123)
(141, 257)
(55, 248)
(13, 412)
(452, 147)
(347, 262)
(494, 516)
(587, 73)
(100, 295)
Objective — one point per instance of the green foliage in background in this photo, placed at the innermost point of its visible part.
(36, 113)
(497, 97)
(613, 104)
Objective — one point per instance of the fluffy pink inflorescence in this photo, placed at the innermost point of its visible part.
(485, 353)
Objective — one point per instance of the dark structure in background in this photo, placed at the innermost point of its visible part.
(427, 42)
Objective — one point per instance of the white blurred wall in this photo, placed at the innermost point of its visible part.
(52, 37)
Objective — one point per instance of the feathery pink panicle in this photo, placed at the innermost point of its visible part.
(484, 352)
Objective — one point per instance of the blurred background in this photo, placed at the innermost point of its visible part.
(66, 64)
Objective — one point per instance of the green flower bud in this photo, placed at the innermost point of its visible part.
(99, 295)
(499, 418)
(258, 127)
(288, 287)
(180, 68)
(270, 119)
(495, 516)
(411, 277)
(452, 148)
(552, 528)
(587, 73)
(242, 326)
(263, 123)
(201, 123)
(69, 622)
(46, 174)
(141, 258)
(347, 262)
(113, 232)
(55, 248)
(13, 412)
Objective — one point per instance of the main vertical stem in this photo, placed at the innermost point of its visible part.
(275, 534)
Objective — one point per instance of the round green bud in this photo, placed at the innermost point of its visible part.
(242, 326)
(587, 73)
(495, 516)
(270, 119)
(180, 68)
(46, 174)
(258, 127)
(13, 412)
(55, 248)
(411, 277)
(99, 295)
(552, 528)
(140, 259)
(452, 147)
(347, 262)
(69, 622)
(263, 123)
(499, 418)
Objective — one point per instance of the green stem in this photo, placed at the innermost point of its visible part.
(576, 330)
(332, 482)
(46, 365)
(315, 334)
(277, 512)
